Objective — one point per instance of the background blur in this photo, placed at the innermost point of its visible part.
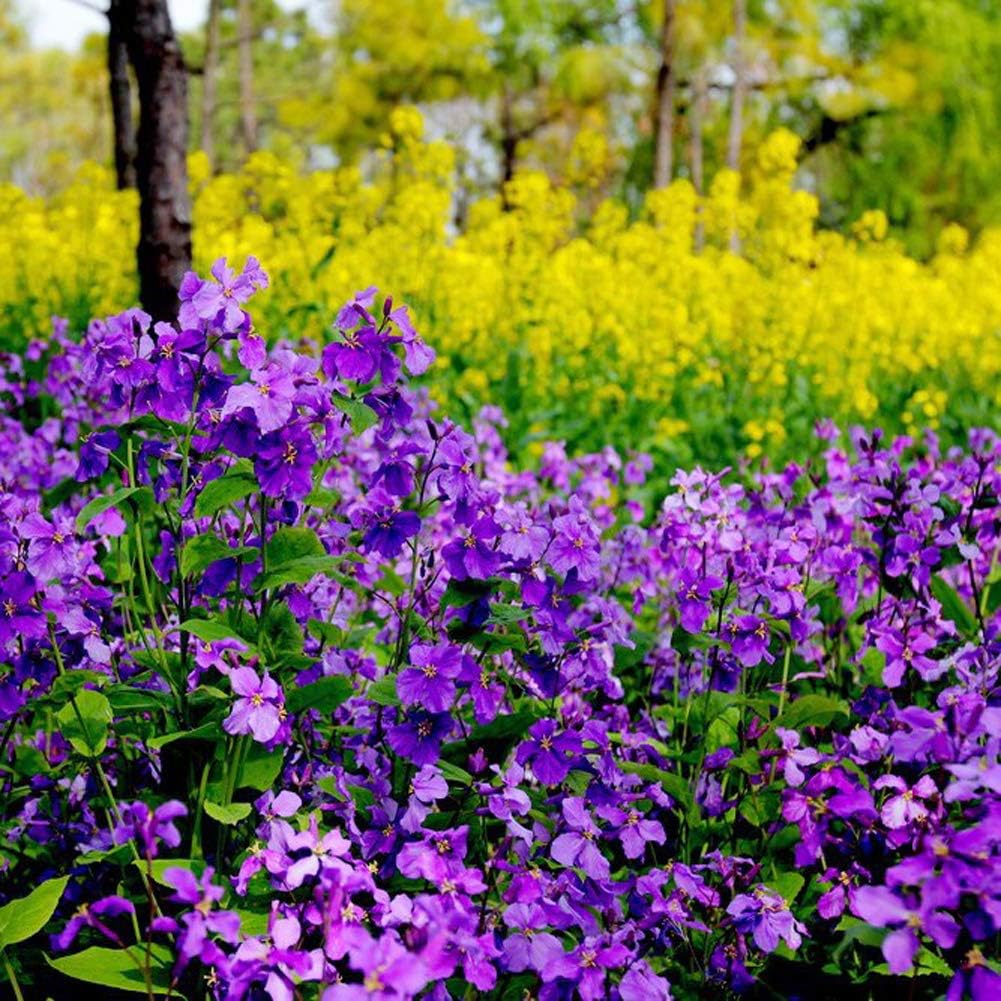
(704, 224)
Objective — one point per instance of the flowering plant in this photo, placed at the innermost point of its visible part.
(307, 692)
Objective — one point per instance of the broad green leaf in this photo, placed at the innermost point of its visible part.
(324, 695)
(207, 731)
(298, 571)
(383, 692)
(233, 485)
(101, 504)
(260, 768)
(811, 710)
(361, 415)
(114, 968)
(788, 884)
(202, 551)
(280, 635)
(229, 814)
(453, 773)
(289, 544)
(20, 919)
(954, 608)
(158, 867)
(85, 726)
(212, 630)
(514, 724)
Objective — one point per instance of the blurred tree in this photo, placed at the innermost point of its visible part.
(164, 251)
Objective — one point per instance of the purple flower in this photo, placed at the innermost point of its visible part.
(695, 598)
(284, 462)
(575, 543)
(390, 972)
(93, 916)
(907, 651)
(880, 906)
(51, 548)
(269, 396)
(389, 530)
(579, 846)
(766, 916)
(221, 300)
(95, 454)
(640, 983)
(795, 757)
(259, 710)
(472, 556)
(749, 640)
(551, 751)
(430, 682)
(418, 736)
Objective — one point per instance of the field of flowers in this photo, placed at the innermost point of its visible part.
(314, 691)
(584, 323)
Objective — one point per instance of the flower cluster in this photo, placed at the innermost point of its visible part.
(309, 691)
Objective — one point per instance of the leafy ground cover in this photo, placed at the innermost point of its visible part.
(309, 691)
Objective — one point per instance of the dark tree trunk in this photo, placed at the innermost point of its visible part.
(210, 71)
(120, 91)
(509, 138)
(663, 139)
(164, 252)
(245, 41)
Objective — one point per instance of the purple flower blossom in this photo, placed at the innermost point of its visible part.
(259, 710)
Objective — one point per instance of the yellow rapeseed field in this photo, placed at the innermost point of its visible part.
(702, 328)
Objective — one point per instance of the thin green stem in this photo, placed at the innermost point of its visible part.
(12, 977)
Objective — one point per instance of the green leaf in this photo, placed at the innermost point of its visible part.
(383, 692)
(514, 724)
(158, 867)
(289, 544)
(212, 630)
(113, 968)
(299, 571)
(86, 725)
(361, 415)
(101, 504)
(260, 768)
(20, 919)
(207, 731)
(231, 813)
(788, 884)
(233, 485)
(811, 710)
(453, 773)
(203, 550)
(324, 695)
(126, 699)
(954, 608)
(280, 634)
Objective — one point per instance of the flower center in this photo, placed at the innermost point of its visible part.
(290, 454)
(587, 958)
(257, 700)
(264, 389)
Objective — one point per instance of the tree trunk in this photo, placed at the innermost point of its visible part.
(164, 251)
(663, 148)
(210, 69)
(120, 92)
(245, 39)
(736, 136)
(696, 119)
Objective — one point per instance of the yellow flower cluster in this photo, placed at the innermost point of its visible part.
(705, 326)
